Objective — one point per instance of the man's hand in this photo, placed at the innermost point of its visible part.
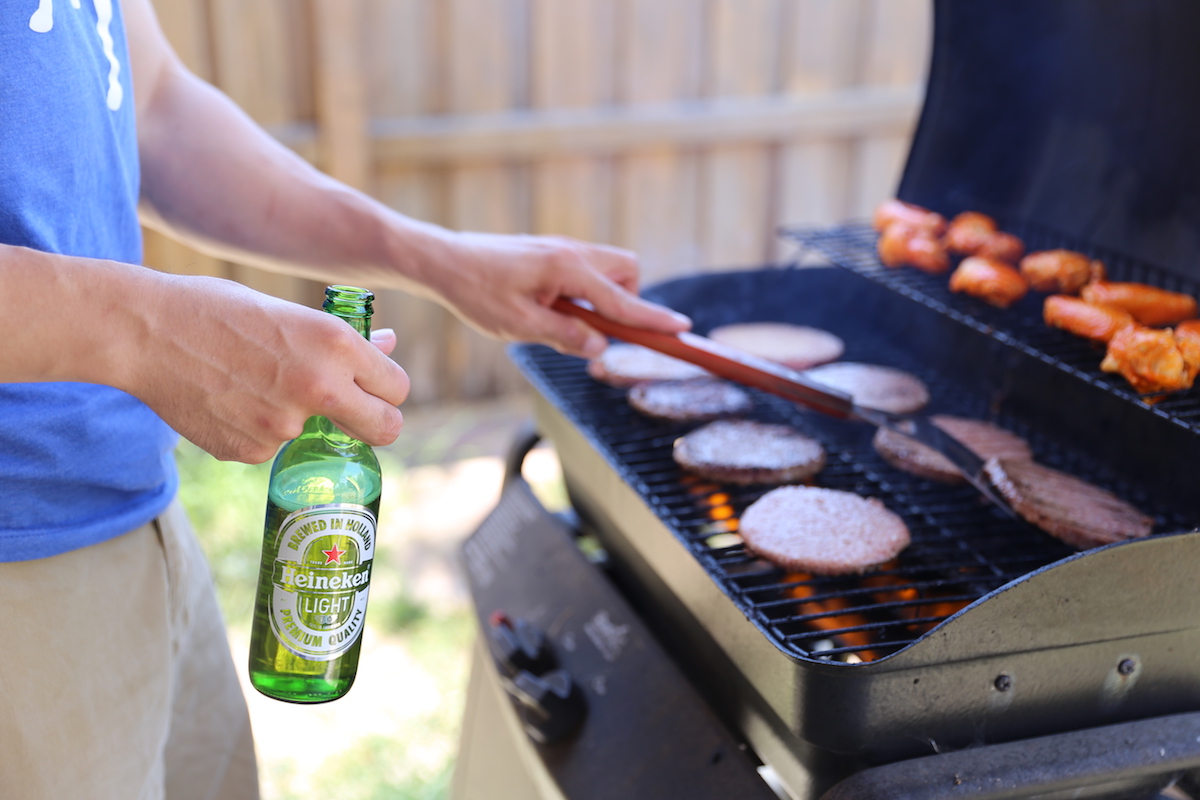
(238, 372)
(504, 285)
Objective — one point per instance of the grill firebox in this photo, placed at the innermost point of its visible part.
(984, 630)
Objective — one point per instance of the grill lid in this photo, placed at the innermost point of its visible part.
(1080, 115)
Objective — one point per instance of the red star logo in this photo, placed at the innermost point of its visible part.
(333, 556)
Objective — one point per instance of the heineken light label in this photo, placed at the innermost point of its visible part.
(321, 573)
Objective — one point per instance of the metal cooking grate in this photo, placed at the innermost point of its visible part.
(961, 548)
(853, 246)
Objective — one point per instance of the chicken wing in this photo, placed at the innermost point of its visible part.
(891, 211)
(1090, 320)
(990, 280)
(1150, 359)
(1003, 246)
(1149, 305)
(968, 232)
(1063, 271)
(902, 244)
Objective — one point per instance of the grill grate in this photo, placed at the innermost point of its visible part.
(961, 548)
(853, 246)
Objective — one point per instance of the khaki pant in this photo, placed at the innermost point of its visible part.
(116, 680)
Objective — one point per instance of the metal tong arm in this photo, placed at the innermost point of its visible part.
(927, 433)
(720, 360)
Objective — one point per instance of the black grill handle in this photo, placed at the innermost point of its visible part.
(526, 439)
(1129, 759)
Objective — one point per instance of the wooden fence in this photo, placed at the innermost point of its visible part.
(686, 130)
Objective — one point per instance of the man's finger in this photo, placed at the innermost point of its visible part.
(370, 420)
(385, 340)
(611, 301)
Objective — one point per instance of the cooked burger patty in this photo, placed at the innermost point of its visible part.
(794, 346)
(822, 531)
(744, 453)
(1080, 514)
(623, 365)
(696, 400)
(873, 386)
(982, 438)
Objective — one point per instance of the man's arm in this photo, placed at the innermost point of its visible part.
(214, 179)
(233, 370)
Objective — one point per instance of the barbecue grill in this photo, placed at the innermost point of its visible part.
(989, 660)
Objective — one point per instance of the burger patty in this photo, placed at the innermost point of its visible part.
(873, 386)
(696, 400)
(623, 365)
(1075, 511)
(822, 531)
(982, 438)
(794, 346)
(744, 453)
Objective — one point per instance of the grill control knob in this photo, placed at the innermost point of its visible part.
(519, 645)
(552, 706)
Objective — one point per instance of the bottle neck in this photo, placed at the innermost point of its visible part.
(353, 305)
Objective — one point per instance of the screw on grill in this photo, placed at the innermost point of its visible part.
(1003, 683)
(1127, 666)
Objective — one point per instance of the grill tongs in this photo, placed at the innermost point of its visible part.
(743, 368)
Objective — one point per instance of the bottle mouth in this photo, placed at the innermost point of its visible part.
(348, 300)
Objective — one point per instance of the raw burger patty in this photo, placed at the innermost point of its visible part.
(742, 452)
(697, 400)
(873, 386)
(1080, 514)
(794, 346)
(624, 365)
(822, 531)
(983, 438)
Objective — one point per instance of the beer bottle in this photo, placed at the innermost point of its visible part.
(318, 548)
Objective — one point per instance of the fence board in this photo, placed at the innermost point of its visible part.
(820, 57)
(656, 185)
(736, 180)
(339, 88)
(403, 41)
(896, 33)
(487, 73)
(573, 57)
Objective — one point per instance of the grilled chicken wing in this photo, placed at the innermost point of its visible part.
(1063, 271)
(989, 279)
(968, 232)
(1003, 246)
(1090, 320)
(891, 211)
(1149, 305)
(903, 244)
(1187, 336)
(1150, 359)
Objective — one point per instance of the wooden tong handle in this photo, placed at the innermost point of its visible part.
(720, 360)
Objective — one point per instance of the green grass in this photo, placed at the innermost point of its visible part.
(226, 503)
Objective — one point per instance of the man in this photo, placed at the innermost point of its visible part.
(115, 679)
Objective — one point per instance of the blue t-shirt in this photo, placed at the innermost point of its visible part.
(79, 463)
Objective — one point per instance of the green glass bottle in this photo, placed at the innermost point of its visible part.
(318, 550)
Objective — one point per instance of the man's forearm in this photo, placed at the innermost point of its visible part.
(78, 315)
(216, 180)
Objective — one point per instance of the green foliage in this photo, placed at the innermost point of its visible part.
(226, 503)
